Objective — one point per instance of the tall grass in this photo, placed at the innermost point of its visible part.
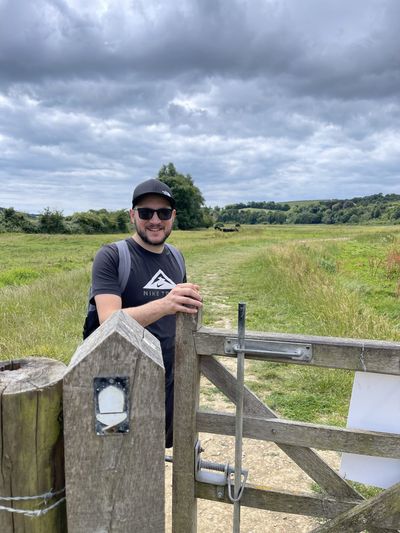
(44, 318)
(289, 289)
(311, 298)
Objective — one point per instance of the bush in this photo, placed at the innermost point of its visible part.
(11, 220)
(52, 222)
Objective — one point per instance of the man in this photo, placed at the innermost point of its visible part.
(156, 288)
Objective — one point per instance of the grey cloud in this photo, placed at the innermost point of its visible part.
(307, 47)
(255, 99)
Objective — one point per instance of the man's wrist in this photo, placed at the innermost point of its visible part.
(161, 306)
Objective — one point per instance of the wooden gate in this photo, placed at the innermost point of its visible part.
(343, 508)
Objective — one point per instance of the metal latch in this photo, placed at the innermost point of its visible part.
(218, 474)
(270, 349)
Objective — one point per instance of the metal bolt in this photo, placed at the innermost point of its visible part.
(220, 492)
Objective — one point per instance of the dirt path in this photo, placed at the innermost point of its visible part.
(268, 466)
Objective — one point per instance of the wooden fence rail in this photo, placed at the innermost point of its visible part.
(343, 507)
(303, 434)
(306, 504)
(331, 352)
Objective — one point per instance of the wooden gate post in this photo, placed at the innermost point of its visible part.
(31, 447)
(114, 430)
(186, 400)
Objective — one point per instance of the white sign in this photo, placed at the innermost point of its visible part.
(375, 406)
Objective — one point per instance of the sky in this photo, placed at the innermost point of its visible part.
(255, 99)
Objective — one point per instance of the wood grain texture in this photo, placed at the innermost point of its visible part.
(305, 458)
(378, 510)
(115, 483)
(304, 434)
(332, 352)
(31, 447)
(295, 503)
(187, 382)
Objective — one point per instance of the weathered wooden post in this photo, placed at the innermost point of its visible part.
(114, 430)
(31, 447)
(186, 398)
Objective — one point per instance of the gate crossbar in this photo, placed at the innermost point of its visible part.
(330, 352)
(375, 510)
(301, 504)
(303, 434)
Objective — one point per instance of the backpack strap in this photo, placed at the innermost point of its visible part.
(124, 265)
(178, 257)
(124, 268)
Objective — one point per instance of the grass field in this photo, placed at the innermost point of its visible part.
(320, 280)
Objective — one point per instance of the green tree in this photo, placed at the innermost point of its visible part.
(208, 216)
(275, 217)
(52, 221)
(395, 215)
(88, 222)
(188, 198)
(122, 220)
(11, 220)
(100, 221)
(376, 212)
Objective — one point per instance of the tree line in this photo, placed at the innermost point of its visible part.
(189, 204)
(192, 213)
(376, 208)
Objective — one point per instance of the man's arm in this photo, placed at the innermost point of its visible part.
(184, 297)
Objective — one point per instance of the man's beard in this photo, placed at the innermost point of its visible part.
(145, 239)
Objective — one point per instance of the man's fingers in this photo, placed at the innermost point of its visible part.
(184, 300)
(184, 297)
(188, 286)
(190, 310)
(186, 291)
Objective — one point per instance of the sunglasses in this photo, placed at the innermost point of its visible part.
(146, 213)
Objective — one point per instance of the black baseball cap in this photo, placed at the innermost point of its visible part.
(152, 186)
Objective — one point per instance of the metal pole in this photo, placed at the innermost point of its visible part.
(239, 413)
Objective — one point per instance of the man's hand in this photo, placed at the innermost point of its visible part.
(184, 298)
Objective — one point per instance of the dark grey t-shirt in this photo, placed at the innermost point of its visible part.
(152, 276)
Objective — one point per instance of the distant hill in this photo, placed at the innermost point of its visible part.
(373, 209)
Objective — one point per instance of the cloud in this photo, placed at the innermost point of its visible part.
(256, 99)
